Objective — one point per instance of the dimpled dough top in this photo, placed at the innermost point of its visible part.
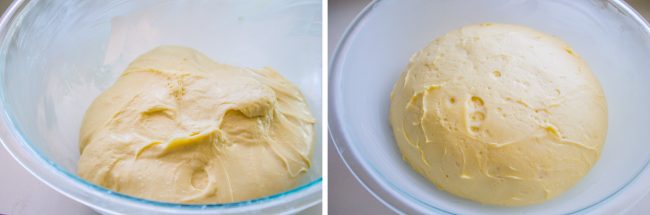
(499, 114)
(178, 127)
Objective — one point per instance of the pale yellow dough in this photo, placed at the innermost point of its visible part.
(499, 114)
(178, 127)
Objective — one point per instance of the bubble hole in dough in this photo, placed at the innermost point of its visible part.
(499, 114)
(178, 127)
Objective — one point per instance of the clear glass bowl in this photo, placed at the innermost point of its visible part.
(608, 34)
(57, 56)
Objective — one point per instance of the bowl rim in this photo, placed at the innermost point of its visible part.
(72, 186)
(390, 195)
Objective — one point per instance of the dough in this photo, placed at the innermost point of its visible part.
(178, 127)
(499, 114)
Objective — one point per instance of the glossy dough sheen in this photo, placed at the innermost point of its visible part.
(178, 127)
(499, 114)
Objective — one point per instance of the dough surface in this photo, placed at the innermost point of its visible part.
(178, 127)
(499, 114)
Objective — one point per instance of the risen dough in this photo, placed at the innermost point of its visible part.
(499, 114)
(178, 127)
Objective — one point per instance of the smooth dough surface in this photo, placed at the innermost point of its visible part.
(178, 127)
(499, 114)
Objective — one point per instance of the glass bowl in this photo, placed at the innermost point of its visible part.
(608, 34)
(57, 56)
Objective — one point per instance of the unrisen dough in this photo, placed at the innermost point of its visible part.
(178, 127)
(499, 114)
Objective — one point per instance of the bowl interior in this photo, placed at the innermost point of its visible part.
(62, 54)
(377, 49)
